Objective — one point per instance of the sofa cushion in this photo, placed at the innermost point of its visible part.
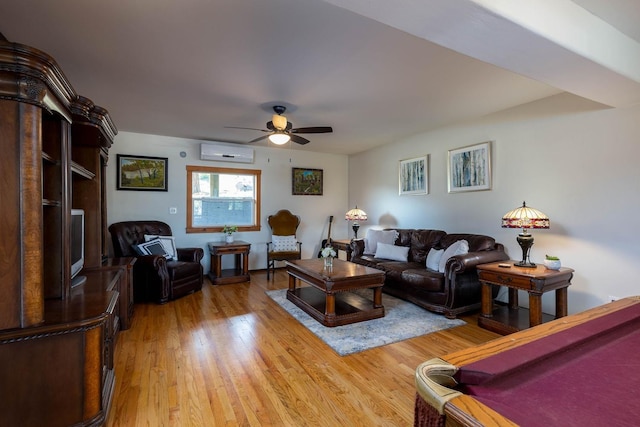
(425, 279)
(421, 242)
(394, 269)
(393, 252)
(458, 248)
(477, 242)
(374, 237)
(433, 259)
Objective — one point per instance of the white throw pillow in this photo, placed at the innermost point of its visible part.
(393, 252)
(284, 243)
(374, 237)
(168, 242)
(458, 248)
(433, 259)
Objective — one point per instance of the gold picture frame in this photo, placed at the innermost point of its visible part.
(142, 173)
(306, 182)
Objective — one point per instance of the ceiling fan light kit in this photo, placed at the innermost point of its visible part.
(282, 131)
(279, 122)
(279, 138)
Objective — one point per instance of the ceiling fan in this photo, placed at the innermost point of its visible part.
(281, 130)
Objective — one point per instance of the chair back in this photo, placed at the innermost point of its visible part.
(283, 223)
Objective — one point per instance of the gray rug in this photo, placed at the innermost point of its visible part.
(402, 320)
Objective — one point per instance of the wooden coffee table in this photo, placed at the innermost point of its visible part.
(329, 299)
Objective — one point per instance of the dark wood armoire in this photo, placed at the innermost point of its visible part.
(56, 338)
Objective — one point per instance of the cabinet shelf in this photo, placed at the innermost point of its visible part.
(49, 158)
(49, 202)
(81, 171)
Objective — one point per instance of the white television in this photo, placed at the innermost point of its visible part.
(77, 247)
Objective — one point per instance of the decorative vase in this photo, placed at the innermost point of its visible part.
(229, 238)
(328, 262)
(552, 264)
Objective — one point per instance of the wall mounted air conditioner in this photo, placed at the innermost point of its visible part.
(226, 153)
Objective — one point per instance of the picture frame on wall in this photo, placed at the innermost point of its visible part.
(142, 173)
(413, 176)
(306, 182)
(469, 168)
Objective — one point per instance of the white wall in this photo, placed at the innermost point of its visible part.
(275, 164)
(565, 156)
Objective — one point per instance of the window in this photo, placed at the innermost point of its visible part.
(222, 196)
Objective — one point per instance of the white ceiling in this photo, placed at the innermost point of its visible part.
(375, 70)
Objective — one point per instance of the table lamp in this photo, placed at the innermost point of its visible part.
(525, 217)
(356, 215)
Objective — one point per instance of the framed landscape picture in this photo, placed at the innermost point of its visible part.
(306, 182)
(142, 173)
(470, 168)
(413, 176)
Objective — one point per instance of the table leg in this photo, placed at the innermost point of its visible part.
(218, 269)
(330, 306)
(292, 283)
(245, 263)
(535, 309)
(561, 302)
(513, 299)
(377, 297)
(487, 300)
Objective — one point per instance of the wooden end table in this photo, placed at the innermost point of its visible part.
(329, 299)
(238, 274)
(342, 245)
(536, 281)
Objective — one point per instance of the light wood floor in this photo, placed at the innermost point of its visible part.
(230, 356)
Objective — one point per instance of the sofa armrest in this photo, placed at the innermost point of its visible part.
(190, 254)
(151, 278)
(152, 262)
(461, 263)
(356, 247)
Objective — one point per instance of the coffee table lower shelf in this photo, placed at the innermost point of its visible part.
(349, 307)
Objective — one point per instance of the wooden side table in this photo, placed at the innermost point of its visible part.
(536, 281)
(342, 245)
(238, 274)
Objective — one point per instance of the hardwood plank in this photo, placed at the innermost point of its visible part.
(231, 356)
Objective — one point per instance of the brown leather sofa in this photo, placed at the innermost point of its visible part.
(154, 277)
(451, 293)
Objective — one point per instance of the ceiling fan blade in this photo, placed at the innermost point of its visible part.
(238, 127)
(258, 139)
(299, 140)
(314, 129)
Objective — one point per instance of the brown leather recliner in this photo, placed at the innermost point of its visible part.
(154, 277)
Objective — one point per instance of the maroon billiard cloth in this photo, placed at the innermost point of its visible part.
(588, 375)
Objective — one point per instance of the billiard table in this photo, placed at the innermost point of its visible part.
(581, 370)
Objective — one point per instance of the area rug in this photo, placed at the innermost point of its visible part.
(402, 320)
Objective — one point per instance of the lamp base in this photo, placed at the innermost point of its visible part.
(525, 264)
(355, 227)
(525, 240)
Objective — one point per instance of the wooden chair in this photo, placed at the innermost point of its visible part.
(284, 244)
